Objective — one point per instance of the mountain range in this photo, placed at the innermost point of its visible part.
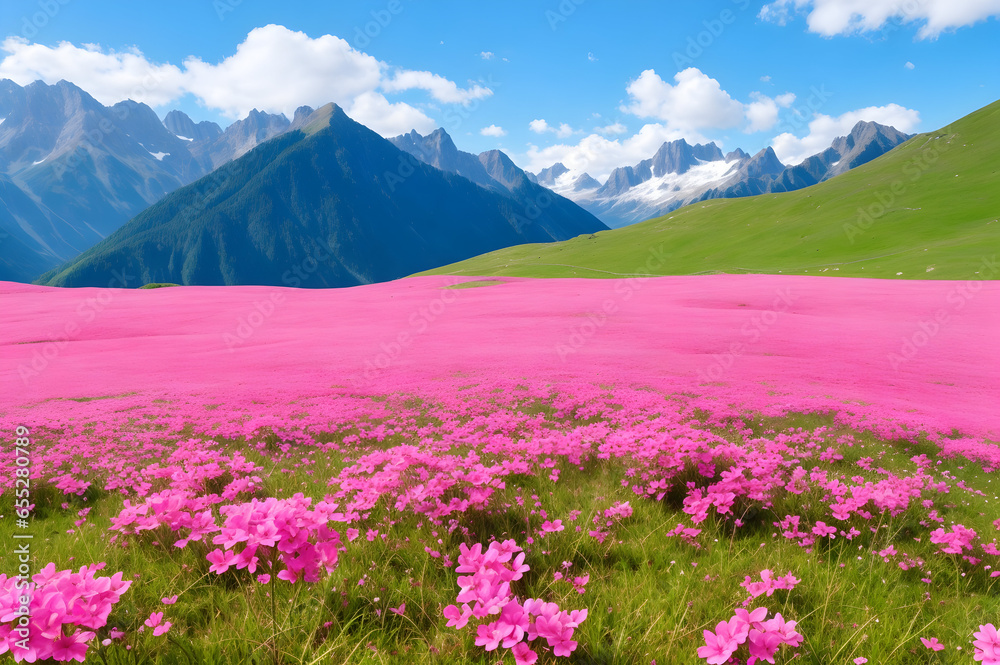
(927, 209)
(680, 173)
(495, 171)
(326, 203)
(72, 170)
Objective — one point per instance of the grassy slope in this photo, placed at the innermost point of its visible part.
(940, 223)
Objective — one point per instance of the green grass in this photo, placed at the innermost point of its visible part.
(157, 285)
(929, 209)
(646, 597)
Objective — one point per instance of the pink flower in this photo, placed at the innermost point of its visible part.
(169, 600)
(860, 660)
(722, 644)
(71, 647)
(221, 560)
(822, 530)
(457, 619)
(932, 643)
(154, 622)
(401, 610)
(523, 655)
(553, 526)
(987, 644)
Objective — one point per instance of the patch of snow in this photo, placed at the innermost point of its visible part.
(660, 192)
(38, 162)
(836, 162)
(183, 138)
(563, 186)
(160, 155)
(1, 120)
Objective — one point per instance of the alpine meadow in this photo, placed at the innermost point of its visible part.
(528, 333)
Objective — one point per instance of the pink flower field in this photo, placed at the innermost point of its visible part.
(720, 469)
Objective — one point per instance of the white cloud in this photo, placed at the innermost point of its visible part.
(613, 129)
(910, 65)
(837, 17)
(109, 77)
(762, 113)
(277, 70)
(823, 129)
(765, 78)
(564, 130)
(486, 55)
(540, 126)
(274, 69)
(695, 102)
(591, 57)
(698, 102)
(493, 130)
(785, 100)
(388, 119)
(440, 88)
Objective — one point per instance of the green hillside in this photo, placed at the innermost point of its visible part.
(928, 209)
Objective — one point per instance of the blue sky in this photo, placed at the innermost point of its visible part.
(610, 80)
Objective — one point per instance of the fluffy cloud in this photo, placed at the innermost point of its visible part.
(493, 130)
(109, 76)
(695, 102)
(540, 126)
(762, 113)
(440, 88)
(388, 119)
(613, 129)
(275, 70)
(835, 17)
(280, 69)
(823, 129)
